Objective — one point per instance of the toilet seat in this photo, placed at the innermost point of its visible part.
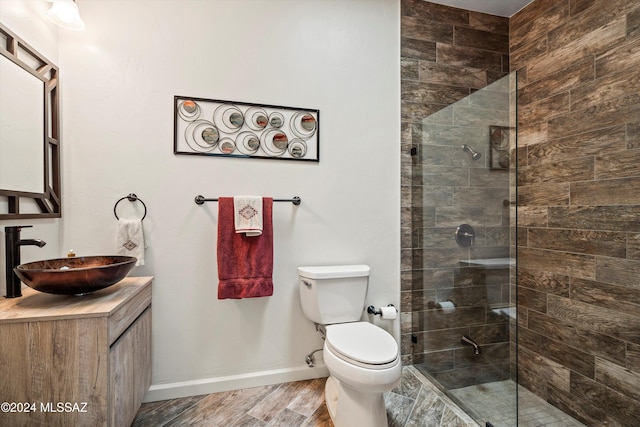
(362, 344)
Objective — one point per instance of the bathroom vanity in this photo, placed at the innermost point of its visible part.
(76, 360)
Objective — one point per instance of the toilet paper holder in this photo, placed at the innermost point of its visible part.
(377, 311)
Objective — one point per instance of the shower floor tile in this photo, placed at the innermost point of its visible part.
(495, 402)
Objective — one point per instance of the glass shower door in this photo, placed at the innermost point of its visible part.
(463, 264)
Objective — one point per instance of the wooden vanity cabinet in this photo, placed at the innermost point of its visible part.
(129, 364)
(76, 361)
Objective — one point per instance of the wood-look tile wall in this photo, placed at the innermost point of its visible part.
(579, 205)
(448, 54)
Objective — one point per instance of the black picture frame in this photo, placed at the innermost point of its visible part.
(220, 128)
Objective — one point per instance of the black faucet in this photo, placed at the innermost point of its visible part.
(12, 248)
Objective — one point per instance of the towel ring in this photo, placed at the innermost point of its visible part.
(132, 198)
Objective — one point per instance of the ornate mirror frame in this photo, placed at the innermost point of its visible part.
(26, 57)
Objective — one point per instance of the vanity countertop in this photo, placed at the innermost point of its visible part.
(38, 306)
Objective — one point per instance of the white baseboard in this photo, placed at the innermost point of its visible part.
(233, 382)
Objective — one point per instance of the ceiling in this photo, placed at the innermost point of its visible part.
(506, 8)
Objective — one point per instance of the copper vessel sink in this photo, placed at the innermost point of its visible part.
(75, 276)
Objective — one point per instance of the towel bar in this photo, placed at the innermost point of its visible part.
(132, 198)
(295, 200)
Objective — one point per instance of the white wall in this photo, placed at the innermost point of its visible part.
(118, 79)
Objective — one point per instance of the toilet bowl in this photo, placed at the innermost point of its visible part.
(363, 363)
(363, 359)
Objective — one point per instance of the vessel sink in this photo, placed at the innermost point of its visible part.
(75, 276)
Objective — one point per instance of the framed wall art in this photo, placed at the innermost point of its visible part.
(208, 127)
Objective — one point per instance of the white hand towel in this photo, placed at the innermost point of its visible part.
(130, 239)
(247, 216)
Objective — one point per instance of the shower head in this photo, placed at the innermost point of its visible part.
(474, 154)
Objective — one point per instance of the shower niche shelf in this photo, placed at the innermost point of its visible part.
(489, 262)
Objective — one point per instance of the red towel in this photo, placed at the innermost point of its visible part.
(245, 264)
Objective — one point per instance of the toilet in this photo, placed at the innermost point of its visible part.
(362, 359)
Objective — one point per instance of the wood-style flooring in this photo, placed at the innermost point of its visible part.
(299, 403)
(415, 401)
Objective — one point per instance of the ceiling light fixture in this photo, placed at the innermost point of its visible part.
(65, 14)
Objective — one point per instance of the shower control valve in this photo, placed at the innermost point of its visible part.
(465, 235)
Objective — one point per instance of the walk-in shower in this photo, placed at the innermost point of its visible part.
(463, 316)
(546, 281)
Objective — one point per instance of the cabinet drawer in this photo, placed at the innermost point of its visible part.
(126, 313)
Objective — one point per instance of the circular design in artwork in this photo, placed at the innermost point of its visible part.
(210, 135)
(297, 148)
(303, 125)
(189, 110)
(228, 118)
(227, 146)
(201, 135)
(247, 143)
(257, 118)
(276, 120)
(274, 142)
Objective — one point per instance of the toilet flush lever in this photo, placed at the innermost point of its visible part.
(307, 284)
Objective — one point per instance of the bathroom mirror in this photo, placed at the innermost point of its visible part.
(21, 129)
(29, 123)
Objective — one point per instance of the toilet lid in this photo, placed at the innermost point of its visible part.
(362, 342)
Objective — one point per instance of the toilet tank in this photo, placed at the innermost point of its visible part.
(333, 294)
